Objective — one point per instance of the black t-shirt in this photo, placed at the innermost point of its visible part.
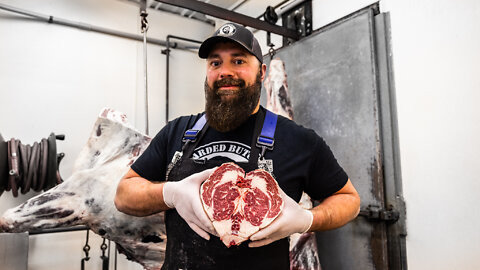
(302, 161)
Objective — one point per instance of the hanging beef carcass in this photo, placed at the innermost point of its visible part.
(87, 196)
(278, 98)
(303, 247)
(239, 205)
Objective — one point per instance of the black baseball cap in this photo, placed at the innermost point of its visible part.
(232, 32)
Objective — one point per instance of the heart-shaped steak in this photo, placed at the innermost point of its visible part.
(239, 205)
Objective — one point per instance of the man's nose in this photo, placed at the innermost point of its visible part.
(226, 71)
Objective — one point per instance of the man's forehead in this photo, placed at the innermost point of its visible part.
(230, 47)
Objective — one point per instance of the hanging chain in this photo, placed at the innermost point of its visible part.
(144, 15)
(271, 52)
(105, 259)
(144, 28)
(86, 249)
(115, 257)
(103, 247)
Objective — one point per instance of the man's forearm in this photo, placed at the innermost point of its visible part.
(137, 196)
(336, 210)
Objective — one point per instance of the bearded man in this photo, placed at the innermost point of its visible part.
(168, 175)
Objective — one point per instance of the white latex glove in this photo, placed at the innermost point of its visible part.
(184, 196)
(292, 219)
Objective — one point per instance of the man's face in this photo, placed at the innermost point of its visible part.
(232, 86)
(230, 60)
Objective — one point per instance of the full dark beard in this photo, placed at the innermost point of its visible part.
(227, 115)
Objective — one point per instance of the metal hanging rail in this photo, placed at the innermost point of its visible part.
(226, 14)
(59, 230)
(89, 27)
(167, 76)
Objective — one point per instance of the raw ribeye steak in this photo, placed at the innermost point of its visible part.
(239, 205)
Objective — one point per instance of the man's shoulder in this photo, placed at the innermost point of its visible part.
(176, 127)
(183, 122)
(297, 137)
(287, 125)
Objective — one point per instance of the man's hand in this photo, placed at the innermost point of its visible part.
(292, 219)
(184, 196)
(333, 212)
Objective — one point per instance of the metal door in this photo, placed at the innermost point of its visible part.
(340, 86)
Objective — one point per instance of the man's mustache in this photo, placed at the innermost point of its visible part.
(228, 82)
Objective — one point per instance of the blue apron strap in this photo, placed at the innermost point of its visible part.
(266, 138)
(191, 134)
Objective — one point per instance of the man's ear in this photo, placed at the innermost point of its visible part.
(263, 71)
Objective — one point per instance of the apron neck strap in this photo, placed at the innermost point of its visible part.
(192, 136)
(265, 140)
(263, 135)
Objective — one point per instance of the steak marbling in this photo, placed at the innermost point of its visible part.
(239, 205)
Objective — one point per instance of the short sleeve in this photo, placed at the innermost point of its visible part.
(151, 165)
(326, 175)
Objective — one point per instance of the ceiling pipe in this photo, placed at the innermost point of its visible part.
(167, 70)
(89, 27)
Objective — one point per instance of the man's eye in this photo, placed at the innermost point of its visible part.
(239, 61)
(215, 63)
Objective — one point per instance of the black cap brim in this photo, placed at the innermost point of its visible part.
(209, 43)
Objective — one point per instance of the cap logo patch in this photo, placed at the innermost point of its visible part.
(227, 30)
